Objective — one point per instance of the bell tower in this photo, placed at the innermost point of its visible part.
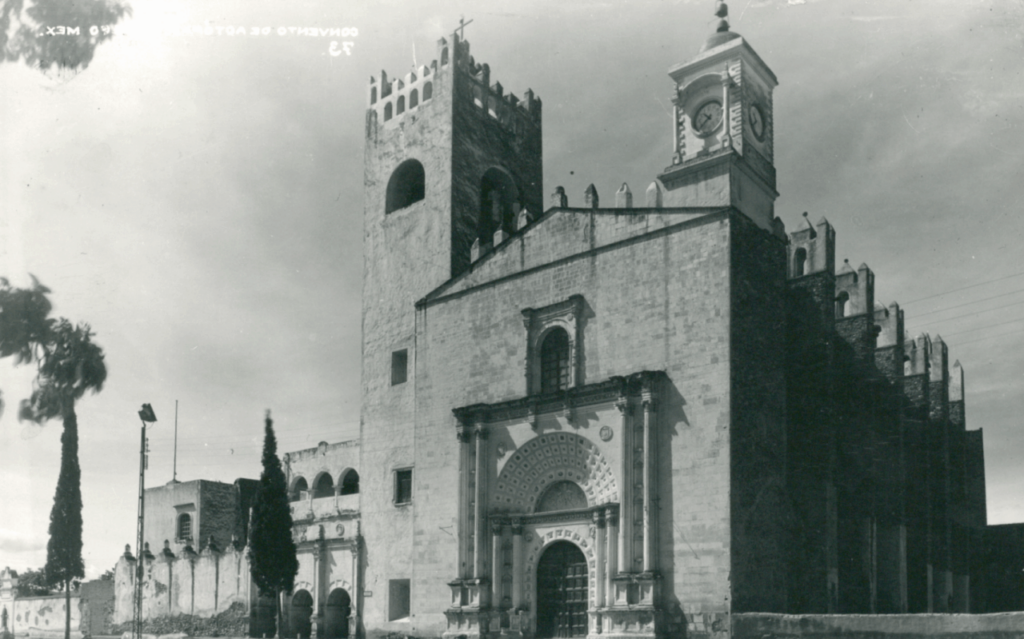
(723, 146)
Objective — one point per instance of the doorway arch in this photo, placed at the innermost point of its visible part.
(562, 591)
(339, 606)
(301, 611)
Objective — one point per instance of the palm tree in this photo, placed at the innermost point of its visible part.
(24, 321)
(68, 365)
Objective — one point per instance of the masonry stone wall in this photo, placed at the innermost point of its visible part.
(922, 626)
(760, 512)
(44, 616)
(668, 311)
(201, 585)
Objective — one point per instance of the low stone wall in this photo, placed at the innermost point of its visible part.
(946, 626)
(200, 585)
(44, 616)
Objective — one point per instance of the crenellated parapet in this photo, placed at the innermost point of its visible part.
(855, 290)
(491, 99)
(812, 248)
(389, 99)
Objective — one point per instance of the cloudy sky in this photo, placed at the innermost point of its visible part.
(197, 199)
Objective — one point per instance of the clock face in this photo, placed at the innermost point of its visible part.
(708, 117)
(756, 121)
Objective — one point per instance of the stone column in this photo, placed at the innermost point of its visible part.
(465, 436)
(612, 538)
(479, 525)
(600, 552)
(648, 406)
(496, 563)
(625, 491)
(675, 130)
(517, 563)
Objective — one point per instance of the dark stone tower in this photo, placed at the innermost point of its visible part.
(451, 159)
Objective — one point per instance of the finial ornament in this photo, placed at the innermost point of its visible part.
(722, 11)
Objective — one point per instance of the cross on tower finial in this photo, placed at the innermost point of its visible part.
(462, 26)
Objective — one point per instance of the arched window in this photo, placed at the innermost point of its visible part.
(373, 95)
(350, 483)
(387, 111)
(428, 91)
(444, 56)
(300, 487)
(406, 186)
(401, 104)
(554, 361)
(324, 487)
(842, 304)
(799, 261)
(498, 196)
(414, 98)
(185, 526)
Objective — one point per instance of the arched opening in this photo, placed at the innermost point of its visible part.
(498, 196)
(414, 98)
(444, 56)
(373, 95)
(324, 487)
(401, 104)
(408, 185)
(184, 527)
(554, 361)
(562, 595)
(428, 91)
(799, 261)
(300, 487)
(842, 304)
(336, 614)
(350, 483)
(387, 111)
(301, 611)
(561, 495)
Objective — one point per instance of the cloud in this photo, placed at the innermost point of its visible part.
(13, 541)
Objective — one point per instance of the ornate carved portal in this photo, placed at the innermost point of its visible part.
(556, 524)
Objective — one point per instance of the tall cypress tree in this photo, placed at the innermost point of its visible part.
(272, 552)
(64, 549)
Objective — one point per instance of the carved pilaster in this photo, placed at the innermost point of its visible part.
(517, 563)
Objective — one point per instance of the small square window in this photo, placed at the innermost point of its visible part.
(398, 600)
(403, 486)
(399, 367)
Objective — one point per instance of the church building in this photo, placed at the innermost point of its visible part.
(635, 419)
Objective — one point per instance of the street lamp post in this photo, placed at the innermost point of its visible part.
(146, 415)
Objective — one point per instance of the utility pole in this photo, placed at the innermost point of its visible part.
(146, 415)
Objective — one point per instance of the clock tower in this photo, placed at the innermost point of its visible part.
(723, 144)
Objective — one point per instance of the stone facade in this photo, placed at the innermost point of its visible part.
(325, 518)
(203, 570)
(635, 421)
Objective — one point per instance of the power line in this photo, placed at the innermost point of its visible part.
(990, 337)
(964, 288)
(984, 299)
(950, 319)
(981, 328)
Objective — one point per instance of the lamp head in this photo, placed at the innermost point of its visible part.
(147, 414)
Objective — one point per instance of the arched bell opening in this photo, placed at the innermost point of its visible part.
(498, 197)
